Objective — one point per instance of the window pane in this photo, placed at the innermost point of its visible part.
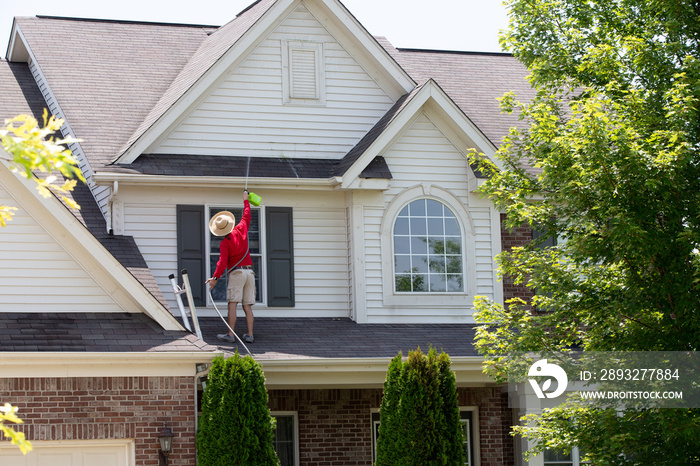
(417, 208)
(437, 246)
(438, 283)
(451, 227)
(402, 245)
(401, 226)
(453, 264)
(434, 208)
(454, 283)
(404, 212)
(418, 226)
(419, 245)
(453, 245)
(419, 264)
(403, 283)
(420, 283)
(402, 264)
(437, 264)
(435, 227)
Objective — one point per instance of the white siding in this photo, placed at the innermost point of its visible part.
(424, 156)
(245, 115)
(38, 275)
(320, 253)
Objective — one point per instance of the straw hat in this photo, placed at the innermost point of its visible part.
(222, 223)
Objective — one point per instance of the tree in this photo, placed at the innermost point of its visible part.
(419, 415)
(8, 413)
(32, 149)
(236, 427)
(607, 162)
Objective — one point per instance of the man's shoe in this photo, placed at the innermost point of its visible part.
(248, 338)
(225, 337)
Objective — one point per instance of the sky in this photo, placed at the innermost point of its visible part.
(467, 25)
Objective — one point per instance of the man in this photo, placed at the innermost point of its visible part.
(234, 259)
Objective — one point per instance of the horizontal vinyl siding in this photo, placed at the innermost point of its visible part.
(321, 262)
(37, 275)
(245, 115)
(154, 229)
(320, 256)
(424, 156)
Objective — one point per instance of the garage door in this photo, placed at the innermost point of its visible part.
(69, 454)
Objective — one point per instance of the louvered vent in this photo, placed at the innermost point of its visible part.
(303, 73)
(303, 76)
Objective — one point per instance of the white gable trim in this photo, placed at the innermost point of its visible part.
(456, 127)
(364, 48)
(86, 250)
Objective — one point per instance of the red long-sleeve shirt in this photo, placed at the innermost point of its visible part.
(233, 250)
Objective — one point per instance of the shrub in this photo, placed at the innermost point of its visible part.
(236, 427)
(419, 414)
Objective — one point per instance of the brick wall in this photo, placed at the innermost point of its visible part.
(335, 425)
(511, 238)
(92, 408)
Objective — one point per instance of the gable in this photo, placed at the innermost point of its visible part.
(39, 275)
(299, 93)
(48, 246)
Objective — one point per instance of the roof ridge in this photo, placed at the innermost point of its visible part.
(454, 52)
(124, 21)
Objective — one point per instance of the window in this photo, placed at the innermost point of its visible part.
(303, 76)
(556, 458)
(219, 291)
(271, 245)
(468, 420)
(465, 418)
(285, 440)
(427, 249)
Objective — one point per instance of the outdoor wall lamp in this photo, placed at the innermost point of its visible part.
(165, 438)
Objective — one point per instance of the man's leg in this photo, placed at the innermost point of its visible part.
(232, 316)
(248, 309)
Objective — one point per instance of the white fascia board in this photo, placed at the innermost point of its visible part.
(432, 96)
(17, 49)
(80, 364)
(355, 372)
(212, 77)
(86, 250)
(129, 179)
(362, 46)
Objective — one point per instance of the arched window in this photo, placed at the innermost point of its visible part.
(427, 249)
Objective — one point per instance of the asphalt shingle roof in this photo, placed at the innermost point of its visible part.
(297, 338)
(108, 75)
(474, 81)
(21, 96)
(92, 332)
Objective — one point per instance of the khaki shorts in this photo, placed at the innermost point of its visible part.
(241, 286)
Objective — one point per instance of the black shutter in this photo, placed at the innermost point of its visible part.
(190, 248)
(280, 257)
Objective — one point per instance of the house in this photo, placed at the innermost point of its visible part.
(370, 239)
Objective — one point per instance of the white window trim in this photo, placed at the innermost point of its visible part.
(294, 415)
(413, 299)
(287, 47)
(263, 251)
(475, 431)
